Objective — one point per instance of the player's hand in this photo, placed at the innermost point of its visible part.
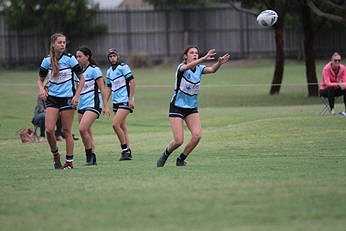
(225, 58)
(106, 112)
(75, 101)
(210, 55)
(43, 94)
(132, 104)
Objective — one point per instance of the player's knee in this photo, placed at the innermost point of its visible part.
(178, 141)
(67, 132)
(50, 131)
(116, 126)
(83, 130)
(196, 136)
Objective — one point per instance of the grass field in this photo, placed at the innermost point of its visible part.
(264, 163)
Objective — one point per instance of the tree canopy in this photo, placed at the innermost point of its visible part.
(72, 17)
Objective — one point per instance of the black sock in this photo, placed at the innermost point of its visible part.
(182, 156)
(69, 158)
(88, 152)
(55, 152)
(94, 157)
(124, 146)
(167, 153)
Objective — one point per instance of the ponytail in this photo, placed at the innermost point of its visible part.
(54, 62)
(53, 58)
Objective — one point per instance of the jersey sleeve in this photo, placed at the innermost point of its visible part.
(177, 71)
(97, 73)
(76, 68)
(108, 81)
(44, 68)
(202, 67)
(126, 71)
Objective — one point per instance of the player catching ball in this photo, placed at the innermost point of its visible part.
(184, 103)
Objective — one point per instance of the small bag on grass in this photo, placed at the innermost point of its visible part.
(26, 135)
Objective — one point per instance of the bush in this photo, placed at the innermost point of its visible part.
(139, 60)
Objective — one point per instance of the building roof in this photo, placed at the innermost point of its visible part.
(111, 4)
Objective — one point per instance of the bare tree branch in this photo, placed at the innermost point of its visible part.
(237, 7)
(333, 5)
(322, 14)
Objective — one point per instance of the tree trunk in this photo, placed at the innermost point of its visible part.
(309, 40)
(280, 58)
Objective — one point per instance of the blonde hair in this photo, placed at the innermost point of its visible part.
(53, 58)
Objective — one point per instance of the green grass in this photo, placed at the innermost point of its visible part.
(264, 162)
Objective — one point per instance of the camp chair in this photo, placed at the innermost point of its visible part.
(325, 103)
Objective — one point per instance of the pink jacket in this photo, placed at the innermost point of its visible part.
(329, 79)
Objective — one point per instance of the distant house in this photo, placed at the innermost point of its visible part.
(112, 4)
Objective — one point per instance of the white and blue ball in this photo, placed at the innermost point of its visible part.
(267, 18)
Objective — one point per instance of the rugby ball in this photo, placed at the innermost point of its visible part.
(267, 18)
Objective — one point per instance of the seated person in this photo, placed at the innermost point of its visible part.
(333, 81)
(39, 121)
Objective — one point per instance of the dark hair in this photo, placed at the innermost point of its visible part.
(87, 51)
(336, 54)
(187, 50)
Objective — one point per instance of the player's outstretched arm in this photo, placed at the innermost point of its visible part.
(209, 56)
(221, 60)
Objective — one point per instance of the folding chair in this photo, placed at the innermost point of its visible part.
(326, 107)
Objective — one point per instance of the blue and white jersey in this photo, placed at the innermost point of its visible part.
(63, 84)
(187, 85)
(118, 80)
(90, 96)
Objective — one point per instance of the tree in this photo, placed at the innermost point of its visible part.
(279, 6)
(323, 9)
(72, 17)
(327, 9)
(313, 15)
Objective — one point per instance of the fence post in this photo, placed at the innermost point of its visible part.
(129, 30)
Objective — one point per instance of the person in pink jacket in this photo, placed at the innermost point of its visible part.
(333, 81)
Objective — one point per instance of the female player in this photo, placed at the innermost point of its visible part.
(183, 106)
(90, 104)
(62, 97)
(121, 84)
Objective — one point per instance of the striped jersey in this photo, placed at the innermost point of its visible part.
(118, 80)
(90, 96)
(187, 84)
(63, 84)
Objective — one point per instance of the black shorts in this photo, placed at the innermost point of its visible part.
(61, 103)
(124, 105)
(96, 111)
(175, 111)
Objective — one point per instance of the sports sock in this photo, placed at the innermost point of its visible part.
(69, 158)
(167, 153)
(182, 156)
(88, 152)
(124, 148)
(55, 152)
(94, 156)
